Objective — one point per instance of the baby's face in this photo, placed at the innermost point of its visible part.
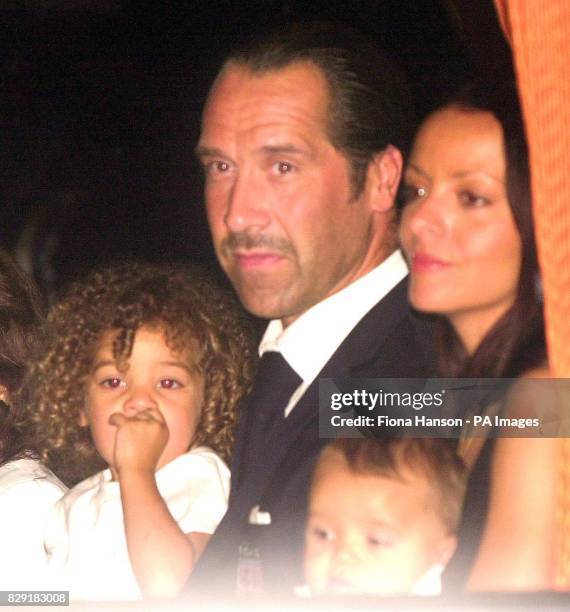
(368, 534)
(155, 377)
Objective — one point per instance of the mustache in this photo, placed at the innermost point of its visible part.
(247, 241)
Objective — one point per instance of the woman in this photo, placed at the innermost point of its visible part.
(468, 236)
(27, 488)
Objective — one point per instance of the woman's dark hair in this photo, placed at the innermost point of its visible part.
(21, 308)
(516, 343)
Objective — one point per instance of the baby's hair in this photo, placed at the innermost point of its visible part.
(21, 309)
(180, 301)
(435, 459)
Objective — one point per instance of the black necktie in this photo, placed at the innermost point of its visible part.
(275, 383)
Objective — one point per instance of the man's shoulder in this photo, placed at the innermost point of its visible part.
(391, 339)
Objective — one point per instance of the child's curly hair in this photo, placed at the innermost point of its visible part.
(179, 300)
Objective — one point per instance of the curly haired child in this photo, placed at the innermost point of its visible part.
(152, 362)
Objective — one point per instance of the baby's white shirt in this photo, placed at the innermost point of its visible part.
(85, 539)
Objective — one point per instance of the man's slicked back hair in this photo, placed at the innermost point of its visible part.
(370, 103)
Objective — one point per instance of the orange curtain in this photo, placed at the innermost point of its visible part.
(539, 34)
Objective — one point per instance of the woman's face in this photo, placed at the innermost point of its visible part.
(457, 230)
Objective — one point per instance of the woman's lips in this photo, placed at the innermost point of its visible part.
(422, 262)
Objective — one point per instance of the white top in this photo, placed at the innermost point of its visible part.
(28, 491)
(310, 341)
(86, 539)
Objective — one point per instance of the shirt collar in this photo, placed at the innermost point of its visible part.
(309, 342)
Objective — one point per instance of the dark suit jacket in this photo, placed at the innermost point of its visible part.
(388, 342)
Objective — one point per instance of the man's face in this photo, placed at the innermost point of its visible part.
(278, 194)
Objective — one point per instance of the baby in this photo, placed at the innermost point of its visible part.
(382, 516)
(142, 371)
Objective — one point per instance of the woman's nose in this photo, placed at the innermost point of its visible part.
(427, 215)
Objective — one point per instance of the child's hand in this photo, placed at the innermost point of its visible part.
(139, 441)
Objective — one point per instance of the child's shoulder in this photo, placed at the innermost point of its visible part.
(199, 469)
(92, 490)
(30, 478)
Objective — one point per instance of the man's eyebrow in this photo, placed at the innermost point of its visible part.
(204, 151)
(285, 148)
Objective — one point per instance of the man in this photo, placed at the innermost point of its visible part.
(302, 139)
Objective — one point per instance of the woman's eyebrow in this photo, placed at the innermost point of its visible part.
(417, 169)
(465, 173)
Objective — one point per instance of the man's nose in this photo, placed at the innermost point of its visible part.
(247, 206)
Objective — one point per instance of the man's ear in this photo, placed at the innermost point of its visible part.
(383, 178)
(3, 394)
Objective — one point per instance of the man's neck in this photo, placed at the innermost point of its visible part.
(286, 321)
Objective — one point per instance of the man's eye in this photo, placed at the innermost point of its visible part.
(169, 383)
(283, 167)
(217, 167)
(112, 383)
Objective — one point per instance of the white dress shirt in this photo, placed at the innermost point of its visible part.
(310, 341)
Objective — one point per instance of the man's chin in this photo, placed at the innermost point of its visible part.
(265, 309)
(264, 300)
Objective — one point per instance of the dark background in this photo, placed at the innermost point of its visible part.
(100, 106)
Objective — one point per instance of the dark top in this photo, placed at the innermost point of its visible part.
(472, 524)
